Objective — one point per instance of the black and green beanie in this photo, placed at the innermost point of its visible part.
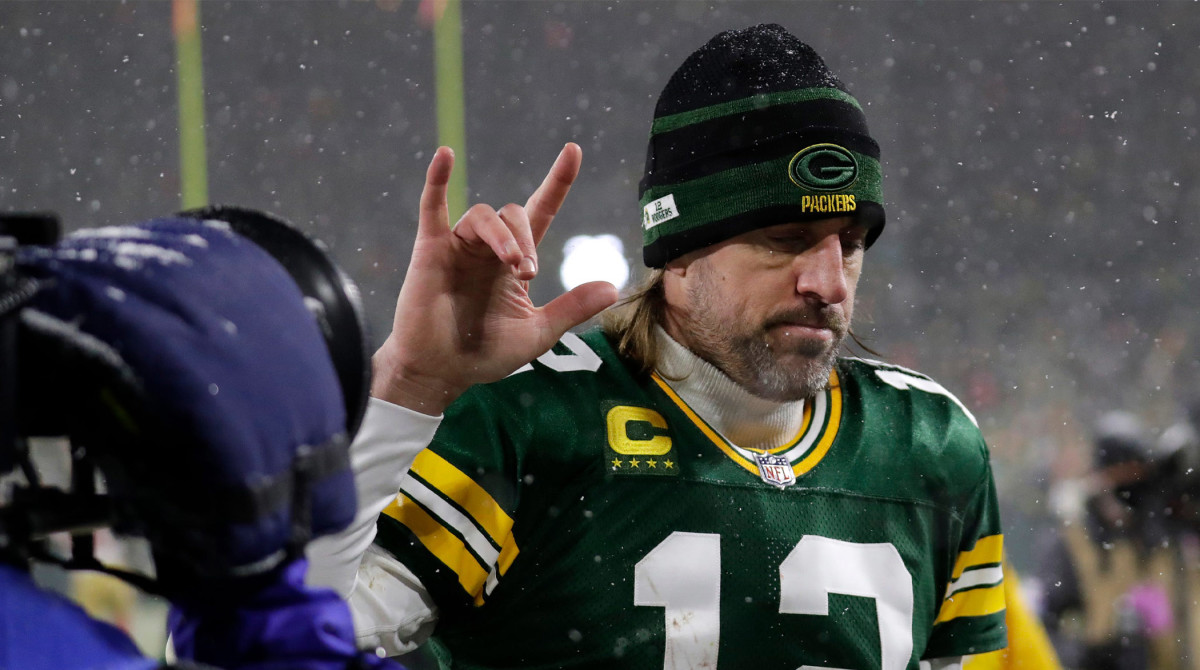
(754, 130)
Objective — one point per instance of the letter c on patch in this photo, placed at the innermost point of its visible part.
(631, 431)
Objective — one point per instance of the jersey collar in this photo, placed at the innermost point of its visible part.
(822, 418)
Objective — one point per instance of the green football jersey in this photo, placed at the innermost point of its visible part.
(576, 515)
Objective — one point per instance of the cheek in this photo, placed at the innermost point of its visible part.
(852, 275)
(727, 298)
(848, 304)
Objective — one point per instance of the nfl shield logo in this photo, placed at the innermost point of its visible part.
(775, 470)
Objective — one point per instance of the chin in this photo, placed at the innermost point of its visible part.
(787, 381)
(791, 391)
(817, 354)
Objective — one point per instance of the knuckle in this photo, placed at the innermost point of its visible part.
(481, 210)
(511, 210)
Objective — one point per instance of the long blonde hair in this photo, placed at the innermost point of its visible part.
(630, 323)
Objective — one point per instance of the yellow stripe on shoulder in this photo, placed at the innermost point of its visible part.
(987, 550)
(471, 497)
(440, 542)
(975, 602)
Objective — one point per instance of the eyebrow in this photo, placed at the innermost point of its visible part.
(856, 226)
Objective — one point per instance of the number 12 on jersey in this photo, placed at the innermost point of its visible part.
(683, 575)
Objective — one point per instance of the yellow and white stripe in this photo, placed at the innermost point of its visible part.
(977, 583)
(472, 537)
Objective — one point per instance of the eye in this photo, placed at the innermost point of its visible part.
(854, 239)
(853, 244)
(790, 241)
(786, 239)
(787, 244)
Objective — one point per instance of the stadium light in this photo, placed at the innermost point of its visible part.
(594, 257)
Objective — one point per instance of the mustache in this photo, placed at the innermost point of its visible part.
(821, 317)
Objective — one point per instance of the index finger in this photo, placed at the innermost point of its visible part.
(434, 218)
(545, 202)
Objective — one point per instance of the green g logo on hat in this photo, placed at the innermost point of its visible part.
(823, 167)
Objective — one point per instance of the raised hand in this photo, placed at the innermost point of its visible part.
(464, 315)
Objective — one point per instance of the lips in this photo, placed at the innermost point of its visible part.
(804, 330)
(812, 325)
(830, 322)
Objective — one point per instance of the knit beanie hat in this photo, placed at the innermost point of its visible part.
(753, 130)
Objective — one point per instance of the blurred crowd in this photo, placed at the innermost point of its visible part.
(1116, 581)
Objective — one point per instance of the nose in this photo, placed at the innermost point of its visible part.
(820, 272)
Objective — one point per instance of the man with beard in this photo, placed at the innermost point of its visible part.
(702, 482)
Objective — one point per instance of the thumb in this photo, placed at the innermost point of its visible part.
(578, 305)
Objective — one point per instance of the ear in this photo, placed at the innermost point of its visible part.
(675, 280)
(679, 266)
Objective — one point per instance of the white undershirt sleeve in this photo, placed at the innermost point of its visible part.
(390, 606)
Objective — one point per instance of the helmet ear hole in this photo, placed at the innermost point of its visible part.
(329, 294)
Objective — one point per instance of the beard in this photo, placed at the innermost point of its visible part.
(795, 369)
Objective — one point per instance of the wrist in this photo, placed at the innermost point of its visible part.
(395, 381)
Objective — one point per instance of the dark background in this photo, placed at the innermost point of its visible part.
(1040, 165)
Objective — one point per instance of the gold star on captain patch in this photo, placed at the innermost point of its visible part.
(668, 464)
(634, 462)
(616, 463)
(651, 462)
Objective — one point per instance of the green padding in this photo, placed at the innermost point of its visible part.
(743, 105)
(745, 189)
